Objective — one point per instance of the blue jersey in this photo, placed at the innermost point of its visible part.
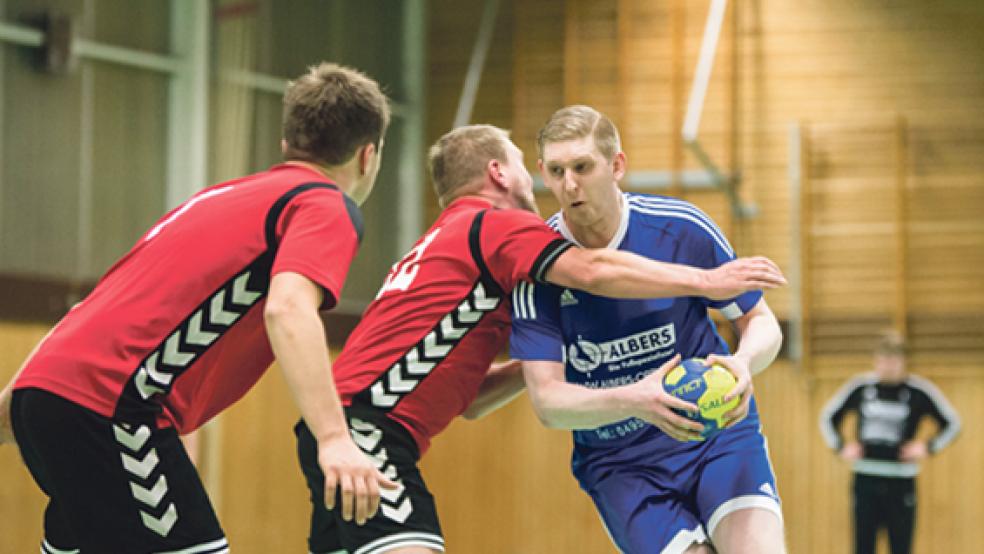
(606, 342)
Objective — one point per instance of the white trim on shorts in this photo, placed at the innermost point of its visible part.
(683, 539)
(742, 503)
(399, 540)
(218, 546)
(46, 548)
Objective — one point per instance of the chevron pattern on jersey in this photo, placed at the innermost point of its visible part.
(147, 484)
(193, 337)
(395, 503)
(404, 375)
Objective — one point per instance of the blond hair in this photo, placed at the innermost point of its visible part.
(891, 341)
(461, 156)
(575, 122)
(330, 112)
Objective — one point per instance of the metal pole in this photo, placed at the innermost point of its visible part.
(412, 178)
(474, 75)
(188, 102)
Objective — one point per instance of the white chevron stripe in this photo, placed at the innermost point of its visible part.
(218, 314)
(367, 442)
(144, 386)
(466, 315)
(434, 350)
(379, 459)
(151, 497)
(392, 495)
(415, 366)
(162, 525)
(360, 425)
(379, 397)
(195, 333)
(159, 377)
(397, 383)
(143, 467)
(399, 514)
(240, 294)
(134, 441)
(449, 330)
(482, 302)
(389, 472)
(172, 353)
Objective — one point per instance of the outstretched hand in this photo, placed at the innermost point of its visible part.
(352, 474)
(742, 389)
(658, 407)
(742, 275)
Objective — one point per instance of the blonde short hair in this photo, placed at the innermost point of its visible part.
(330, 112)
(891, 342)
(575, 122)
(461, 156)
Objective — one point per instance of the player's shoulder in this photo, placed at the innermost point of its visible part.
(674, 216)
(923, 385)
(530, 298)
(861, 381)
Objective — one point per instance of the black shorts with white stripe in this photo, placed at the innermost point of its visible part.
(407, 515)
(113, 486)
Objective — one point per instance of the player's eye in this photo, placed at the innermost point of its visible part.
(557, 171)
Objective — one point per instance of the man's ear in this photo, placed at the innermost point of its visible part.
(494, 169)
(365, 155)
(619, 165)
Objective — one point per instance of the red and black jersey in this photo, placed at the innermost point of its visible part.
(424, 345)
(174, 330)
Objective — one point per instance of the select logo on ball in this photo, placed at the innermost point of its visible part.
(706, 387)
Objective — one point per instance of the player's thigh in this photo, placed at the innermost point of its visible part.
(114, 487)
(643, 519)
(749, 531)
(407, 515)
(737, 476)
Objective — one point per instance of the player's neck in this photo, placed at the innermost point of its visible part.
(341, 175)
(600, 232)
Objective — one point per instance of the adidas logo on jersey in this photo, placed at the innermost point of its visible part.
(567, 299)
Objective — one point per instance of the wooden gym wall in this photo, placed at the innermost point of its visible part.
(878, 236)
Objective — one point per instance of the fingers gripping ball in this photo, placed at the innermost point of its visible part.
(705, 387)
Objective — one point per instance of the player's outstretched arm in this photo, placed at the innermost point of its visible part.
(620, 274)
(501, 385)
(759, 340)
(563, 405)
(298, 340)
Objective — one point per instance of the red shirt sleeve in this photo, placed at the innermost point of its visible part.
(519, 246)
(319, 235)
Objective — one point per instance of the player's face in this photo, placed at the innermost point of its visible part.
(582, 180)
(521, 189)
(890, 367)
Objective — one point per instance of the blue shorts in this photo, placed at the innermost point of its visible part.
(657, 495)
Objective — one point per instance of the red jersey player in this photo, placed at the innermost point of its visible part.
(182, 326)
(421, 354)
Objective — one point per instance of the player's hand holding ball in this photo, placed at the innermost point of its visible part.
(712, 388)
(664, 410)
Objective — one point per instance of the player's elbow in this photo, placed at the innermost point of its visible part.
(581, 268)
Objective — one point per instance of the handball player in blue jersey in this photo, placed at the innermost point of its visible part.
(595, 364)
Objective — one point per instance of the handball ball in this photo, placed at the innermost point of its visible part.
(706, 387)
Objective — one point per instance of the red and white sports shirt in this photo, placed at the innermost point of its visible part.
(174, 330)
(424, 345)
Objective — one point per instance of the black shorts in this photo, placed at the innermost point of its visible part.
(407, 515)
(114, 487)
